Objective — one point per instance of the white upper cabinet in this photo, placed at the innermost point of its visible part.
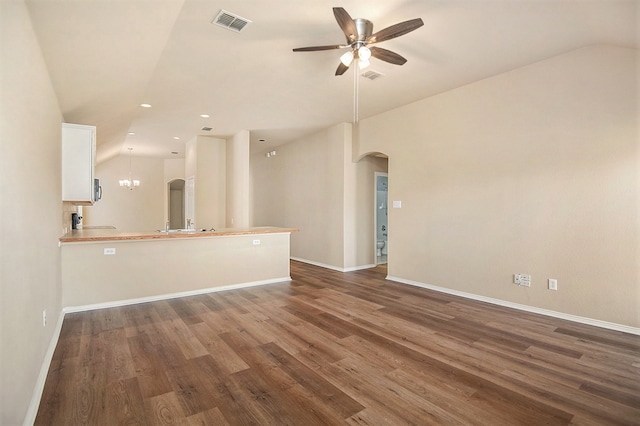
(78, 162)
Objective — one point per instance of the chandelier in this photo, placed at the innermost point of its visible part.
(130, 184)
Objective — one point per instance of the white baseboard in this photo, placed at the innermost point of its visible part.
(575, 318)
(126, 302)
(38, 389)
(359, 268)
(335, 268)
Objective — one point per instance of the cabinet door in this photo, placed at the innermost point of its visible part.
(78, 160)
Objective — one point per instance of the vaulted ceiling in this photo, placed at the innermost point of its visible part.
(107, 57)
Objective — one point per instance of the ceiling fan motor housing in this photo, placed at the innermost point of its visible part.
(364, 27)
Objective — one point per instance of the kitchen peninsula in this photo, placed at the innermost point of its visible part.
(106, 267)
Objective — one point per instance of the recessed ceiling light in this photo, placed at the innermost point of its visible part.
(205, 115)
(131, 133)
(177, 138)
(145, 105)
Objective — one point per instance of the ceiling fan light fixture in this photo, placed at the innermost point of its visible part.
(347, 58)
(364, 53)
(363, 63)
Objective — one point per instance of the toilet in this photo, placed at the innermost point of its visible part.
(379, 245)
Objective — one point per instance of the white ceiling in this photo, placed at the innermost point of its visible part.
(106, 57)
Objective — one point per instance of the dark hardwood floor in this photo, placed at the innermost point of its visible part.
(337, 348)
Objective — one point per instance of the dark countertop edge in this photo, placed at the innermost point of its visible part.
(98, 235)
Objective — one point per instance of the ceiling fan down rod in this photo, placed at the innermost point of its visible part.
(356, 89)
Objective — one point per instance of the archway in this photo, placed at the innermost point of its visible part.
(176, 204)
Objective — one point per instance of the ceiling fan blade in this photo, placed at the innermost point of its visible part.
(316, 48)
(346, 24)
(342, 68)
(387, 55)
(395, 30)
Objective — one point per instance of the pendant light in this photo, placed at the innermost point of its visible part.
(129, 184)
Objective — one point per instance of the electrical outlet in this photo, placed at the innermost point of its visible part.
(523, 280)
(44, 317)
(256, 242)
(553, 284)
(111, 250)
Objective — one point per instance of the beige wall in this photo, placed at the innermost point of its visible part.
(153, 268)
(312, 184)
(30, 211)
(173, 169)
(141, 209)
(533, 171)
(237, 202)
(205, 159)
(301, 187)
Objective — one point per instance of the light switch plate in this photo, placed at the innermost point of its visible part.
(397, 204)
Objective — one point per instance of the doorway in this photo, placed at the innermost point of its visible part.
(381, 217)
(176, 204)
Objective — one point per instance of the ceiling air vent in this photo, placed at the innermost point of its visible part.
(207, 129)
(372, 75)
(230, 21)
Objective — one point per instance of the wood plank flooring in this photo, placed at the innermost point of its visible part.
(333, 348)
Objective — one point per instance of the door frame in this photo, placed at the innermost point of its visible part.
(375, 215)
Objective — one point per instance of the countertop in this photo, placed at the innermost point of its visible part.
(109, 234)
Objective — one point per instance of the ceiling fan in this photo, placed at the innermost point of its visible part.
(359, 34)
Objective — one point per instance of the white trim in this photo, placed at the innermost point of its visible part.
(358, 268)
(156, 298)
(335, 268)
(375, 215)
(575, 318)
(38, 389)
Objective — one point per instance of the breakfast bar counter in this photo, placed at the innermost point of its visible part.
(112, 234)
(106, 267)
